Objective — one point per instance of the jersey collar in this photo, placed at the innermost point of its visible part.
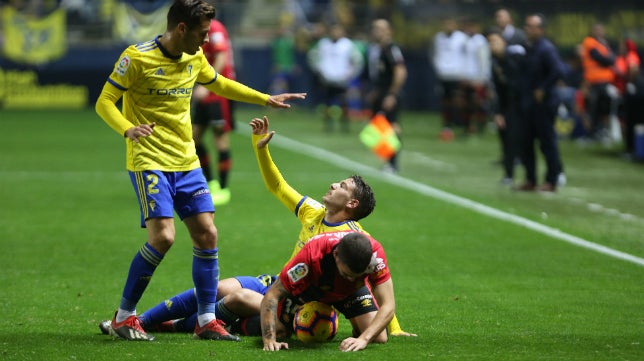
(164, 51)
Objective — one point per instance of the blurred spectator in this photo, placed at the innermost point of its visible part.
(284, 60)
(388, 73)
(337, 62)
(627, 62)
(597, 61)
(633, 106)
(508, 64)
(627, 57)
(539, 106)
(477, 77)
(510, 34)
(448, 59)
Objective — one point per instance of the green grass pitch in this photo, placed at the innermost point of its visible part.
(472, 286)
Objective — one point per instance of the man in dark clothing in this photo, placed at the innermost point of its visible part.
(388, 73)
(507, 70)
(539, 103)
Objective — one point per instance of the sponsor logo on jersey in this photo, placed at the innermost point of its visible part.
(366, 303)
(178, 92)
(122, 66)
(298, 272)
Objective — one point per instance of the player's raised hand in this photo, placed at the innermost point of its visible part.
(279, 101)
(259, 127)
(141, 130)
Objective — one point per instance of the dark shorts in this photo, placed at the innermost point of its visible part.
(359, 303)
(160, 194)
(217, 114)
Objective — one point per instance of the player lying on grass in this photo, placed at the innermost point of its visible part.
(342, 207)
(329, 269)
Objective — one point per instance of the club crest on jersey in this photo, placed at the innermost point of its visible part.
(298, 272)
(122, 66)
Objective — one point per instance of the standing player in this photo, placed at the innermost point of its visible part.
(216, 111)
(388, 74)
(155, 80)
(333, 268)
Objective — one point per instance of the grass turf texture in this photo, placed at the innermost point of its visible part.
(472, 287)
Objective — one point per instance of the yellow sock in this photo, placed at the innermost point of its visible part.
(394, 327)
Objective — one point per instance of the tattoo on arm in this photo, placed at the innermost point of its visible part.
(268, 325)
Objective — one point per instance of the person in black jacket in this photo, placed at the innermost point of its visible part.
(543, 68)
(507, 67)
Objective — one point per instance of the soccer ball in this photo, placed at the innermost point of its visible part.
(315, 322)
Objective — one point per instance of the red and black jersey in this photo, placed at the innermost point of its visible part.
(312, 274)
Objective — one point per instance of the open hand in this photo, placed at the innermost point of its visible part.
(259, 127)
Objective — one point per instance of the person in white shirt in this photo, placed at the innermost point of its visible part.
(336, 61)
(448, 59)
(477, 70)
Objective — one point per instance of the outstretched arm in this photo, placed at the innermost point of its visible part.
(233, 90)
(384, 294)
(268, 317)
(272, 177)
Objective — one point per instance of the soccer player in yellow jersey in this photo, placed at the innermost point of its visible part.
(155, 80)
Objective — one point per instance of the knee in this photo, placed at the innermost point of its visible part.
(207, 238)
(162, 241)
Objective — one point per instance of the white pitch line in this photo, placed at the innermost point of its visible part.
(335, 159)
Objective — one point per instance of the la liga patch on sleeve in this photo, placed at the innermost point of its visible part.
(297, 272)
(122, 66)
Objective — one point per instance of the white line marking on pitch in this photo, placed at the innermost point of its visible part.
(326, 156)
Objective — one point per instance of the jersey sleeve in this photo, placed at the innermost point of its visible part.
(228, 88)
(207, 74)
(273, 179)
(126, 69)
(297, 274)
(123, 75)
(379, 269)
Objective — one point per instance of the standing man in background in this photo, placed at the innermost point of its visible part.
(155, 80)
(336, 61)
(216, 111)
(388, 73)
(448, 59)
(511, 34)
(597, 60)
(543, 69)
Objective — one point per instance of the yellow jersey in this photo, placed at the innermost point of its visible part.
(157, 89)
(309, 211)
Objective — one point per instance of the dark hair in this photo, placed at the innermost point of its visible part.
(493, 30)
(355, 251)
(189, 12)
(542, 19)
(366, 200)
